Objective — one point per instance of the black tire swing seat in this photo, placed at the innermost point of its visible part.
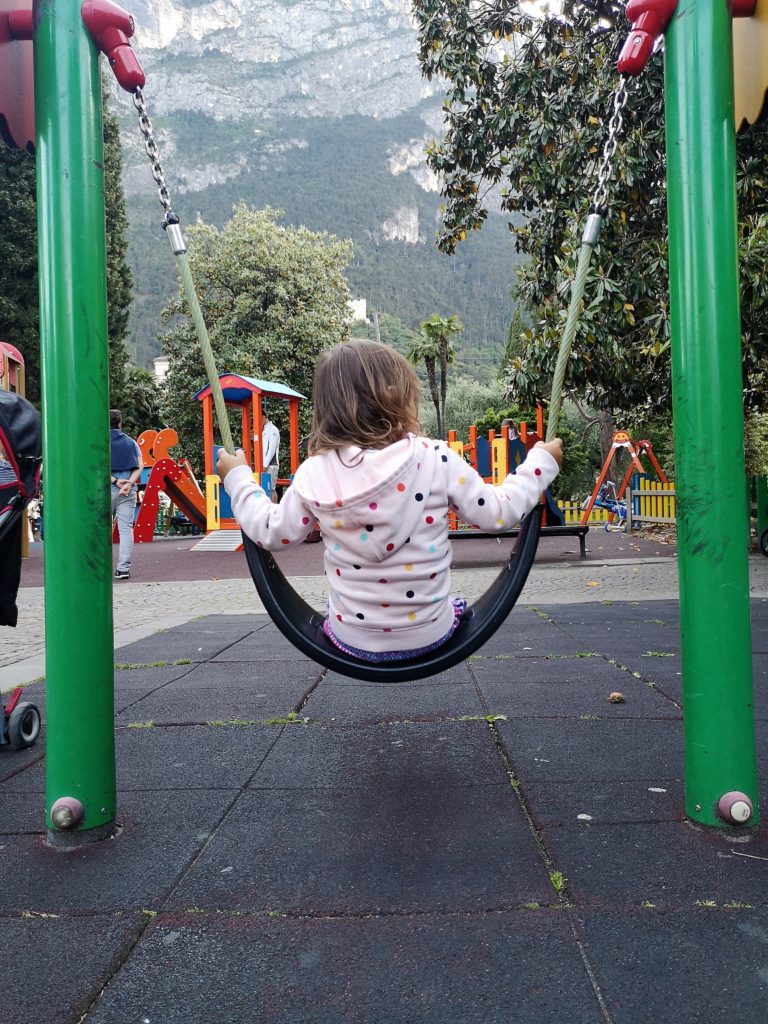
(303, 626)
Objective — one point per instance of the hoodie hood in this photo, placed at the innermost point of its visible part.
(375, 498)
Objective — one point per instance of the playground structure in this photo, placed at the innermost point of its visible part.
(494, 458)
(11, 369)
(720, 755)
(164, 474)
(250, 395)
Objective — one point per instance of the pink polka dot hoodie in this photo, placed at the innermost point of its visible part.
(384, 521)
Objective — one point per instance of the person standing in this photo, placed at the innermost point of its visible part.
(270, 450)
(126, 464)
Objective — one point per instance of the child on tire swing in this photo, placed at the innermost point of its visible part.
(381, 494)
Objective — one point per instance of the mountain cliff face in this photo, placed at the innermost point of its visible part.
(317, 108)
(240, 58)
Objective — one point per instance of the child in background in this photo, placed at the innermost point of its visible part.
(381, 495)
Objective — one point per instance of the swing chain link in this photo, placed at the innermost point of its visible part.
(150, 145)
(615, 124)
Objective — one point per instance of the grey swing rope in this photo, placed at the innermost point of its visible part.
(300, 623)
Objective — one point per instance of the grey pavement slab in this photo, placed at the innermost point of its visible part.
(505, 968)
(514, 672)
(342, 700)
(22, 811)
(148, 677)
(170, 646)
(264, 646)
(566, 750)
(14, 763)
(602, 802)
(395, 756)
(160, 835)
(580, 699)
(689, 966)
(55, 967)
(289, 673)
(522, 646)
(175, 758)
(199, 705)
(370, 850)
(669, 864)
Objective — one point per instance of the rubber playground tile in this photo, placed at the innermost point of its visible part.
(187, 758)
(22, 811)
(245, 621)
(249, 675)
(615, 615)
(669, 864)
(15, 765)
(691, 966)
(170, 646)
(507, 968)
(54, 967)
(203, 705)
(148, 677)
(580, 804)
(267, 644)
(581, 699)
(519, 646)
(160, 834)
(392, 849)
(336, 701)
(568, 750)
(397, 756)
(517, 672)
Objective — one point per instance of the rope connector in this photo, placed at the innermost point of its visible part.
(172, 227)
(592, 228)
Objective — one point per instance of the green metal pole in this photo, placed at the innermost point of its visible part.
(708, 410)
(80, 753)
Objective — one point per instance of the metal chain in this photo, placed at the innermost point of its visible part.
(600, 198)
(145, 125)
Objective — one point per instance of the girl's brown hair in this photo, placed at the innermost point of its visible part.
(365, 394)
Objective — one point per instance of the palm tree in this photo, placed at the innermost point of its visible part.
(434, 345)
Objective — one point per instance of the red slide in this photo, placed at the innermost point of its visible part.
(176, 479)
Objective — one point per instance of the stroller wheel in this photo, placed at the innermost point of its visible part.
(23, 725)
(764, 542)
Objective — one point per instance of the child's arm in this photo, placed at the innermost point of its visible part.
(271, 526)
(496, 508)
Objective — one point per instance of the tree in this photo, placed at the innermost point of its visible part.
(272, 297)
(19, 315)
(514, 344)
(526, 119)
(141, 401)
(119, 279)
(434, 346)
(466, 400)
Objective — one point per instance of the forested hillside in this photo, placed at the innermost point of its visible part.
(330, 175)
(320, 111)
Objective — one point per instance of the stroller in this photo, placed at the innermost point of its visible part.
(20, 462)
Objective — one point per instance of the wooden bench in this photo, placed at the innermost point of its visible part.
(568, 530)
